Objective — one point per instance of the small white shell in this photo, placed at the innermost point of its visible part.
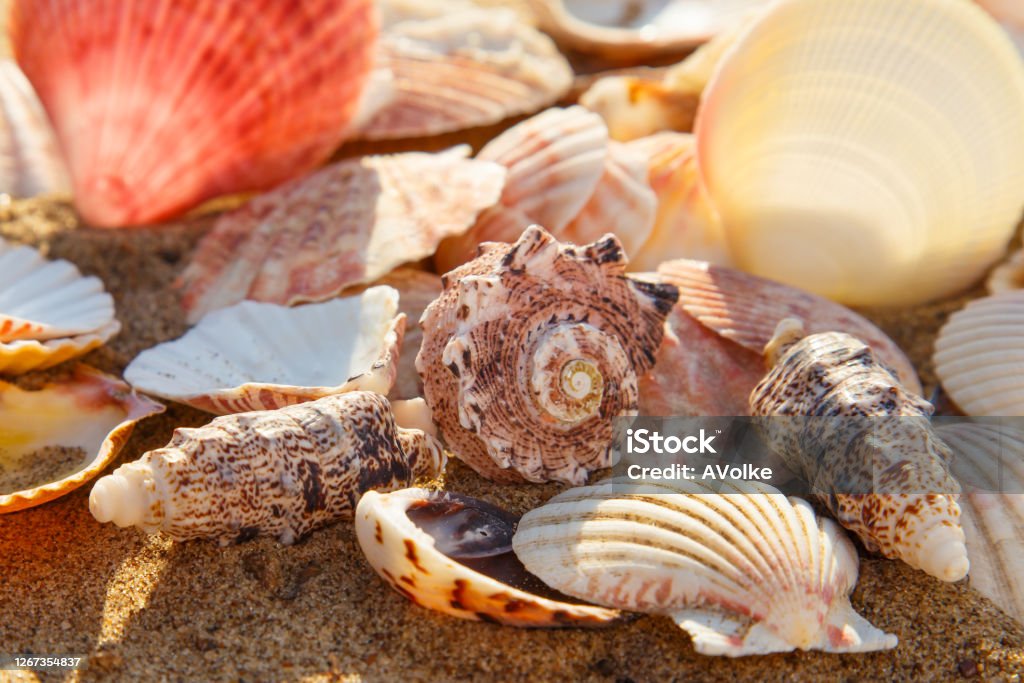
(979, 356)
(867, 150)
(415, 564)
(42, 299)
(752, 573)
(258, 356)
(30, 159)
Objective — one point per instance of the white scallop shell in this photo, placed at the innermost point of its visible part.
(743, 574)
(41, 299)
(259, 356)
(30, 159)
(637, 28)
(867, 150)
(407, 557)
(979, 356)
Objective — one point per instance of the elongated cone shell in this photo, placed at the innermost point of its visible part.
(744, 570)
(453, 554)
(279, 473)
(842, 421)
(30, 160)
(58, 438)
(866, 150)
(988, 460)
(979, 356)
(532, 349)
(160, 105)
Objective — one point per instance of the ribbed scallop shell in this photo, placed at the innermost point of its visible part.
(348, 224)
(867, 150)
(989, 462)
(461, 67)
(532, 349)
(1010, 14)
(160, 105)
(453, 565)
(711, 357)
(57, 438)
(278, 473)
(257, 356)
(30, 161)
(632, 29)
(744, 570)
(979, 356)
(865, 446)
(43, 300)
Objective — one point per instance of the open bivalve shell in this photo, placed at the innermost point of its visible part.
(278, 473)
(453, 554)
(257, 356)
(867, 150)
(989, 463)
(744, 570)
(57, 438)
(348, 224)
(979, 356)
(30, 160)
(531, 351)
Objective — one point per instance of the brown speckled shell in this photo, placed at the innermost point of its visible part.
(489, 345)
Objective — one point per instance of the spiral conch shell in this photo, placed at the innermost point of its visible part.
(744, 570)
(532, 349)
(842, 421)
(281, 472)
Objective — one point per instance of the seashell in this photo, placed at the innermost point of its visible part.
(30, 162)
(686, 225)
(711, 357)
(220, 97)
(895, 217)
(57, 438)
(865, 446)
(276, 473)
(453, 554)
(979, 356)
(989, 463)
(43, 300)
(256, 356)
(532, 349)
(1007, 276)
(630, 29)
(744, 570)
(1010, 15)
(463, 68)
(348, 224)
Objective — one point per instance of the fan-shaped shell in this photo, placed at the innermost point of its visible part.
(30, 161)
(453, 554)
(979, 356)
(42, 299)
(279, 472)
(532, 349)
(348, 224)
(57, 438)
(621, 29)
(866, 150)
(220, 96)
(989, 462)
(462, 67)
(744, 570)
(864, 445)
(257, 356)
(1010, 14)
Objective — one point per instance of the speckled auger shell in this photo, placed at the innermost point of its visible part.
(742, 568)
(512, 329)
(408, 558)
(838, 384)
(276, 473)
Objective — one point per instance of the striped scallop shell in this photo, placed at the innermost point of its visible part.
(30, 160)
(743, 569)
(979, 356)
(257, 356)
(453, 554)
(57, 438)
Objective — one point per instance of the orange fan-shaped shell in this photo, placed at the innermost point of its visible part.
(161, 104)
